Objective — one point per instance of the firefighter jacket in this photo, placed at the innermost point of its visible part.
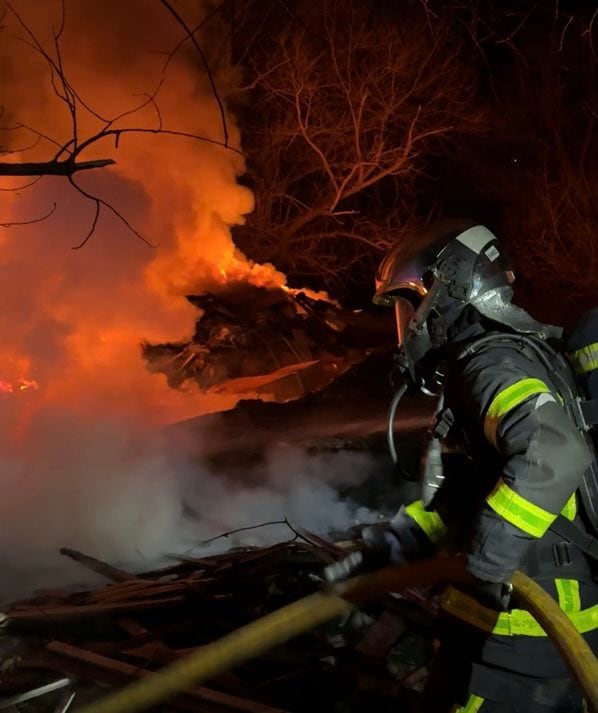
(526, 458)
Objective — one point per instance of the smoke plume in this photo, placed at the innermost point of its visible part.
(81, 464)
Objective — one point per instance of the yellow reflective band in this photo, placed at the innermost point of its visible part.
(507, 399)
(585, 359)
(518, 511)
(516, 622)
(473, 705)
(428, 520)
(570, 509)
(569, 597)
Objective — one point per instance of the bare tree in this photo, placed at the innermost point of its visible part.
(352, 104)
(67, 158)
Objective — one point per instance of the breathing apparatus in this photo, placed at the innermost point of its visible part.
(431, 277)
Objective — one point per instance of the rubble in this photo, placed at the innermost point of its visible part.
(62, 648)
(277, 343)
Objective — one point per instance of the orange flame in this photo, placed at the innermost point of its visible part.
(76, 319)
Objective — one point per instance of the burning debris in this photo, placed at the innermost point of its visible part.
(275, 342)
(61, 645)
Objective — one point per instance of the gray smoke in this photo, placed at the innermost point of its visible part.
(110, 490)
(79, 465)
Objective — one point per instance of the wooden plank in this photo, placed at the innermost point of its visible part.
(319, 542)
(149, 591)
(31, 694)
(96, 565)
(115, 591)
(112, 648)
(160, 653)
(49, 614)
(86, 672)
(200, 693)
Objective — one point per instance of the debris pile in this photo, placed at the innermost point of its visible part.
(60, 649)
(278, 343)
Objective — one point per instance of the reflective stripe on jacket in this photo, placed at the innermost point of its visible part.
(507, 404)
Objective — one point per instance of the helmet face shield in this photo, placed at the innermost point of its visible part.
(432, 275)
(404, 267)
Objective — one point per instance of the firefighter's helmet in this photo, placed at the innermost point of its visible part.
(433, 274)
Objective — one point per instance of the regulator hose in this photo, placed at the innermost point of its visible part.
(390, 432)
(301, 616)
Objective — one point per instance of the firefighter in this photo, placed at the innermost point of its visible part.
(506, 404)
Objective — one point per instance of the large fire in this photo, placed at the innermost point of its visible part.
(75, 319)
(82, 463)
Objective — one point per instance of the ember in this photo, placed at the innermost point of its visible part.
(28, 385)
(7, 387)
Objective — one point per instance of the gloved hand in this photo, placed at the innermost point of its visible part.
(352, 565)
(380, 547)
(494, 595)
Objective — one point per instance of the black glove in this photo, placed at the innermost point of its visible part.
(494, 595)
(380, 547)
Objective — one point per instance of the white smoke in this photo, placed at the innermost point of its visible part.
(79, 465)
(111, 491)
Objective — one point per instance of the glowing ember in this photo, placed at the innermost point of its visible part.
(9, 387)
(28, 385)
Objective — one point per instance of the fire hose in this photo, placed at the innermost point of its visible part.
(297, 618)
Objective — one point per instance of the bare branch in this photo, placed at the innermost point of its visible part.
(72, 149)
(191, 36)
(39, 134)
(58, 34)
(348, 123)
(67, 161)
(21, 149)
(94, 223)
(55, 67)
(16, 189)
(101, 203)
(52, 168)
(158, 131)
(243, 529)
(13, 224)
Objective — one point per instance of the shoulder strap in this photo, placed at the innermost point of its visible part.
(589, 411)
(576, 536)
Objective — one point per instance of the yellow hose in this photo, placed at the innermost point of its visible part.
(572, 646)
(301, 616)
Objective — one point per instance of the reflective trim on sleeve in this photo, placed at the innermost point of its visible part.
(473, 705)
(429, 520)
(569, 597)
(570, 509)
(585, 359)
(507, 399)
(518, 622)
(520, 512)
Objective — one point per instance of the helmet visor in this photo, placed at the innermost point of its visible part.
(404, 313)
